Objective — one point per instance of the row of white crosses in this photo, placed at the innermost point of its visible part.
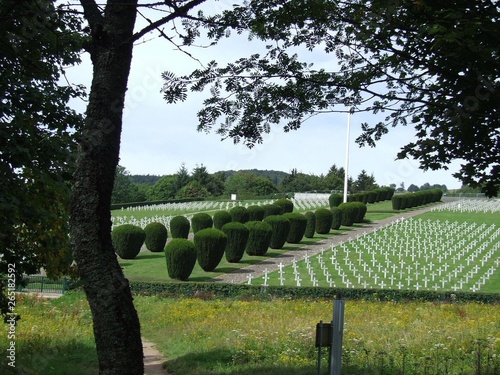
(195, 206)
(471, 205)
(451, 256)
(185, 206)
(120, 220)
(309, 204)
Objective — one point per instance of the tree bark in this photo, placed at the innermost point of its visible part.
(116, 323)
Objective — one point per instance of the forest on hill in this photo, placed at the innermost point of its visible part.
(250, 183)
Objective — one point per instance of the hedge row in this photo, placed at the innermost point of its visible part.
(372, 196)
(419, 198)
(224, 290)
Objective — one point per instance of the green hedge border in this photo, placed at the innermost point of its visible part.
(225, 290)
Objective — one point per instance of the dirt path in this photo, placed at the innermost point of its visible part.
(153, 359)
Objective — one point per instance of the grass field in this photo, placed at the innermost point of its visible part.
(377, 260)
(253, 337)
(434, 251)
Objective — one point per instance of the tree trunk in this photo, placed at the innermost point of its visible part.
(116, 323)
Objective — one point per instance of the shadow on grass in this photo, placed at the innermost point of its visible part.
(150, 255)
(77, 359)
(220, 362)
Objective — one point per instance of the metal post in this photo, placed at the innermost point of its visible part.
(337, 336)
(318, 369)
(346, 177)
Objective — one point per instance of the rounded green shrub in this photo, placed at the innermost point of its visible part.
(180, 255)
(256, 213)
(390, 193)
(239, 214)
(281, 227)
(335, 199)
(210, 244)
(359, 211)
(201, 220)
(179, 227)
(437, 194)
(128, 240)
(364, 197)
(372, 196)
(271, 209)
(298, 224)
(285, 204)
(221, 218)
(156, 237)
(354, 197)
(348, 214)
(237, 237)
(323, 221)
(259, 237)
(396, 202)
(405, 201)
(336, 217)
(311, 224)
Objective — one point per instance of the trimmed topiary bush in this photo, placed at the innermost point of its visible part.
(271, 209)
(239, 214)
(210, 244)
(298, 224)
(281, 227)
(180, 255)
(336, 217)
(128, 240)
(179, 227)
(285, 204)
(311, 225)
(237, 237)
(201, 220)
(259, 237)
(334, 200)
(256, 213)
(396, 202)
(221, 218)
(348, 214)
(323, 221)
(156, 237)
(359, 211)
(372, 196)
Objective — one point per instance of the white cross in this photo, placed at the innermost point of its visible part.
(409, 279)
(425, 280)
(392, 278)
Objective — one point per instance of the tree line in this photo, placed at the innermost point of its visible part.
(245, 184)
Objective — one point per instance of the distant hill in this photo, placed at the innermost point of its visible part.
(274, 176)
(146, 179)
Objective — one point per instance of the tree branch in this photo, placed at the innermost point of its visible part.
(178, 12)
(92, 13)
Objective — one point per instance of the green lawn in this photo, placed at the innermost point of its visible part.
(268, 336)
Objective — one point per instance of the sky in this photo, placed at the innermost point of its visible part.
(158, 137)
